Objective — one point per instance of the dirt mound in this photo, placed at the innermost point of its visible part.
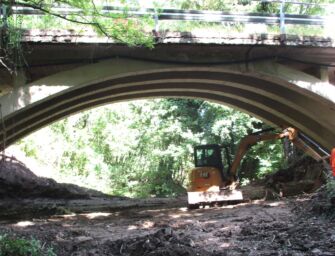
(25, 195)
(304, 176)
(304, 169)
(17, 181)
(323, 201)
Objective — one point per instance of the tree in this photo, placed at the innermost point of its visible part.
(89, 15)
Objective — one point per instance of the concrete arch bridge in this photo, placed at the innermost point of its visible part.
(249, 79)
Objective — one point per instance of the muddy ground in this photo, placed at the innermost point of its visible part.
(77, 221)
(281, 227)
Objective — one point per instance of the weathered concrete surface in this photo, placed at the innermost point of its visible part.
(52, 51)
(166, 37)
(64, 78)
(266, 90)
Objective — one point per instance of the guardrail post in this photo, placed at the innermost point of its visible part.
(282, 17)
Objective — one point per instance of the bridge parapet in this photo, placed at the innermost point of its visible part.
(166, 37)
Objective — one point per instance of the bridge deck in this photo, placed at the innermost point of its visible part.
(302, 53)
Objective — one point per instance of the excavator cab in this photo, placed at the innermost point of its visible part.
(209, 177)
(208, 156)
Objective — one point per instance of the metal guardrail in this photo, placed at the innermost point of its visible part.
(193, 15)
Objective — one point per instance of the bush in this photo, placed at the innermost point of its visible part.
(12, 246)
(330, 188)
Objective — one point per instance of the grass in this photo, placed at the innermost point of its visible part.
(13, 246)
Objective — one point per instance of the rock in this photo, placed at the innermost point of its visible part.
(168, 231)
(188, 242)
(82, 239)
(317, 251)
(308, 245)
(150, 244)
(66, 244)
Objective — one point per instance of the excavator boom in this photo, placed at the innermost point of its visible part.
(252, 139)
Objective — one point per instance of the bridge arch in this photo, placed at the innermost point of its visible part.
(266, 90)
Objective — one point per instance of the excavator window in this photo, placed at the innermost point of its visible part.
(208, 156)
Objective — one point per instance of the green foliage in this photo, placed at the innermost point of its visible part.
(30, 149)
(137, 31)
(218, 5)
(132, 32)
(10, 36)
(10, 246)
(145, 148)
(253, 6)
(228, 126)
(246, 6)
(90, 15)
(330, 188)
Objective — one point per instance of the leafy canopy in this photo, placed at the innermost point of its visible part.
(145, 148)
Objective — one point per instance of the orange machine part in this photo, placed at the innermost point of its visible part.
(332, 161)
(203, 178)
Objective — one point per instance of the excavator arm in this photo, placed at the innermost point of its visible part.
(252, 139)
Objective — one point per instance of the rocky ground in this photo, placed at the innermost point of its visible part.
(77, 221)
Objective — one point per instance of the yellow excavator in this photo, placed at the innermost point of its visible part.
(210, 183)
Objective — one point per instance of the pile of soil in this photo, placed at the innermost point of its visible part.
(323, 201)
(17, 181)
(304, 176)
(25, 195)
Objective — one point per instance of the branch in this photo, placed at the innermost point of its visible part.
(116, 33)
(95, 24)
(4, 64)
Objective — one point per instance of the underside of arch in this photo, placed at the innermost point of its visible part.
(277, 102)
